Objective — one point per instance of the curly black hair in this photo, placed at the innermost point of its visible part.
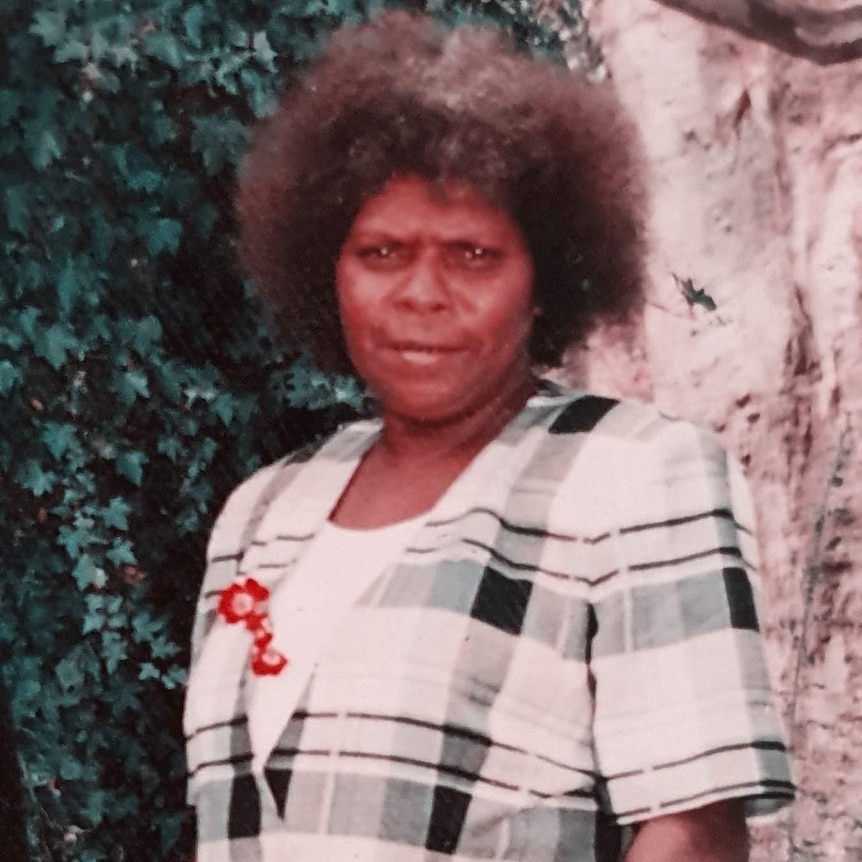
(402, 95)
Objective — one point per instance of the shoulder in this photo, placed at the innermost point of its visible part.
(624, 454)
(249, 500)
(633, 428)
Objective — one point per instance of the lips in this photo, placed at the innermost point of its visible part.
(425, 346)
(422, 352)
(422, 357)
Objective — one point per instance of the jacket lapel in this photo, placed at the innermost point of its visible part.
(296, 515)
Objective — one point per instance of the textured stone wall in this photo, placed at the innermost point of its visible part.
(755, 166)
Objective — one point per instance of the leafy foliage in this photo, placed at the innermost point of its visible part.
(139, 378)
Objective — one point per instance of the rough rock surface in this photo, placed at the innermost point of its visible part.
(755, 165)
(826, 31)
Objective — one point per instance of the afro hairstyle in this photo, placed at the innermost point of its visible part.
(403, 95)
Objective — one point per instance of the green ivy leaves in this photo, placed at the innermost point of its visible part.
(139, 380)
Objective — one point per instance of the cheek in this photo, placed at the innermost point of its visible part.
(355, 327)
(352, 309)
(513, 322)
(522, 327)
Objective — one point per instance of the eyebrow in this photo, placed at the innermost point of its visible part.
(477, 237)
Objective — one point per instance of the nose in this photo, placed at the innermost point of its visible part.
(424, 287)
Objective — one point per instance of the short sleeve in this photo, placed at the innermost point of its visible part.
(684, 712)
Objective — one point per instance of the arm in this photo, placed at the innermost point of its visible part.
(714, 833)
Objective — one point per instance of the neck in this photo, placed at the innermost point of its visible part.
(460, 437)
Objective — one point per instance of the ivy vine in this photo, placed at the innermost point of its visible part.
(139, 378)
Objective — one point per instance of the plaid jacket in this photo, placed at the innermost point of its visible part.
(569, 644)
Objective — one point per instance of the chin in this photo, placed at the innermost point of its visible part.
(421, 412)
(420, 404)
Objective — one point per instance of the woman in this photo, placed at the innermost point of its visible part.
(500, 620)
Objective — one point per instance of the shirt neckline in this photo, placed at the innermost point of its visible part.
(374, 531)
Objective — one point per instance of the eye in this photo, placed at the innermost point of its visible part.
(472, 256)
(380, 252)
(383, 255)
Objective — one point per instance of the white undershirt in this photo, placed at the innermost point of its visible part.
(306, 608)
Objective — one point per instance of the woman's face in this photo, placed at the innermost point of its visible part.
(436, 300)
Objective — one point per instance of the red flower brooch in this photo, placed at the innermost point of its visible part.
(244, 601)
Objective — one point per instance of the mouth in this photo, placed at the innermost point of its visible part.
(421, 353)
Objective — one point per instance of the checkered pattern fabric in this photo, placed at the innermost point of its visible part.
(569, 644)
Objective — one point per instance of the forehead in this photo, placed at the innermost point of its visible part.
(409, 202)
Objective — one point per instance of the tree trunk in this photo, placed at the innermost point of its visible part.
(755, 162)
(825, 31)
